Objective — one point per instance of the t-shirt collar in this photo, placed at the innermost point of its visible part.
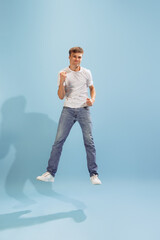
(75, 71)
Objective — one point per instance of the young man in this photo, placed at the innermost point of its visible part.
(73, 83)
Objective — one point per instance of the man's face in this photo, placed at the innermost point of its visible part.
(75, 59)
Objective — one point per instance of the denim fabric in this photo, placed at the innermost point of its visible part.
(67, 119)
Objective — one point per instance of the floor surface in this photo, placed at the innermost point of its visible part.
(115, 210)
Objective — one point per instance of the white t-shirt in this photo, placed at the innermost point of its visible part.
(76, 87)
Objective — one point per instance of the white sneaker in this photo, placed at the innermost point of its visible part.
(46, 177)
(95, 180)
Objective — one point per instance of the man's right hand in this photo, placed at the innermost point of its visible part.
(63, 76)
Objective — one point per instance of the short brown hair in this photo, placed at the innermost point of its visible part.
(76, 50)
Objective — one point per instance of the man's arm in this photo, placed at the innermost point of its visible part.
(91, 100)
(61, 89)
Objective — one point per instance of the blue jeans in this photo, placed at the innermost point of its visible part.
(68, 117)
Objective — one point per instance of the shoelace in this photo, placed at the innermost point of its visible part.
(95, 176)
(46, 174)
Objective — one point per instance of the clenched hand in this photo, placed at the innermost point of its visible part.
(89, 101)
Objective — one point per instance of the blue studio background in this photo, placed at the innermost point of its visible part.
(121, 48)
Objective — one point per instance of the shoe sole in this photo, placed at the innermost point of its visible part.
(96, 183)
(44, 180)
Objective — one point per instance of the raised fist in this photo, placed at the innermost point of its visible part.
(63, 76)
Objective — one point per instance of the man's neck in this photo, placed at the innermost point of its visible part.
(75, 68)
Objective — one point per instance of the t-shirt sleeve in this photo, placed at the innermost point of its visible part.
(89, 79)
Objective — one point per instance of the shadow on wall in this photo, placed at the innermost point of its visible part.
(32, 136)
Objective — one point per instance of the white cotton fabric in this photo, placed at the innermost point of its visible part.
(76, 87)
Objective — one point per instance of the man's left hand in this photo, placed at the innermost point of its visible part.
(89, 102)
